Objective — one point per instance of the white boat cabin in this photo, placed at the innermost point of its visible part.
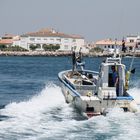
(106, 87)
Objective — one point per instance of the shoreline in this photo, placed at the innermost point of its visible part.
(48, 53)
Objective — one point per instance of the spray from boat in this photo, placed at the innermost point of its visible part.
(46, 114)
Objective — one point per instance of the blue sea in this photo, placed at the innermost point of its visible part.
(32, 106)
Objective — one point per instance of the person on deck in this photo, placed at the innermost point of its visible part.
(115, 79)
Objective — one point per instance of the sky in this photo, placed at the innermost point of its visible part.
(92, 19)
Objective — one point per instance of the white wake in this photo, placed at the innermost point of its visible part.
(46, 115)
(135, 93)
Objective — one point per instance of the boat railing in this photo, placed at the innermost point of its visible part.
(92, 72)
(113, 60)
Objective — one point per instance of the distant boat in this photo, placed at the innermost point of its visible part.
(93, 93)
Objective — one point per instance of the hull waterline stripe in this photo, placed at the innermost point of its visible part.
(125, 98)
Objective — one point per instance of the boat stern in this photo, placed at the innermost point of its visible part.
(91, 106)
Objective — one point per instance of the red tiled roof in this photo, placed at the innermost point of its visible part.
(51, 33)
(112, 42)
(108, 42)
(6, 41)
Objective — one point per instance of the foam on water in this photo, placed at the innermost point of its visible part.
(27, 115)
(47, 115)
(48, 98)
(135, 93)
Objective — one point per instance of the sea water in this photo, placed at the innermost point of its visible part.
(32, 105)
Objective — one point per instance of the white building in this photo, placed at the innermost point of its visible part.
(131, 38)
(131, 42)
(109, 45)
(51, 37)
(8, 39)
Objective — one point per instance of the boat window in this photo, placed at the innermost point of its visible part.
(110, 80)
(113, 76)
(110, 77)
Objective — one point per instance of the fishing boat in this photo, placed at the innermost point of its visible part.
(93, 92)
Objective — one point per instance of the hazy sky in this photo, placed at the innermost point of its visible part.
(93, 19)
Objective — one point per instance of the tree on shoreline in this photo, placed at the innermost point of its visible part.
(50, 47)
(2, 47)
(11, 48)
(96, 49)
(33, 47)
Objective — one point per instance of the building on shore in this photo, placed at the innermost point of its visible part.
(109, 45)
(50, 37)
(133, 41)
(8, 39)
